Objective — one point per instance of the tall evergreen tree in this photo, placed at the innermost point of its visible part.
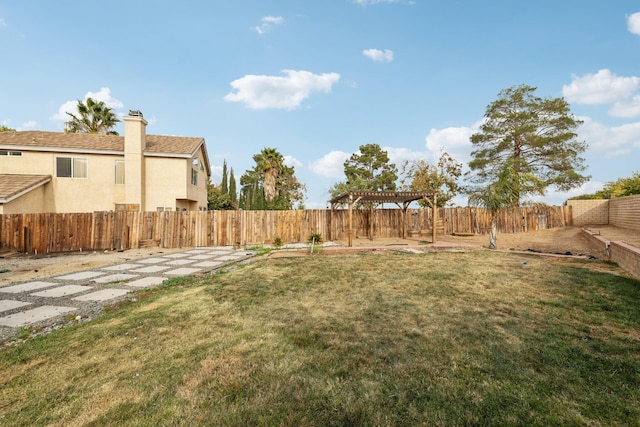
(233, 193)
(223, 186)
(533, 137)
(368, 169)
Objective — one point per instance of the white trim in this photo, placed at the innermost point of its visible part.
(60, 150)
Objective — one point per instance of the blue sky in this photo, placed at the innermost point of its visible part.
(317, 79)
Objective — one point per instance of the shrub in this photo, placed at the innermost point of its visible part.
(315, 237)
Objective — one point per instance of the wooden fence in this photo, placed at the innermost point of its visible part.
(67, 232)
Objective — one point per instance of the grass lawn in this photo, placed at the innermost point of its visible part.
(476, 338)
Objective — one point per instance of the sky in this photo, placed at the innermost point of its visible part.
(316, 79)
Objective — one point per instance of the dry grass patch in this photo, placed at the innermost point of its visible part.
(398, 339)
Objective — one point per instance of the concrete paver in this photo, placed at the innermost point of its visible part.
(180, 262)
(103, 295)
(62, 291)
(34, 302)
(177, 255)
(121, 267)
(151, 260)
(185, 271)
(201, 257)
(120, 277)
(146, 282)
(209, 264)
(34, 315)
(152, 269)
(83, 275)
(27, 287)
(9, 304)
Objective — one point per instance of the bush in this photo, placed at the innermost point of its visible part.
(315, 237)
(277, 242)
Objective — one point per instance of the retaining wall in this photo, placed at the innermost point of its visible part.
(625, 255)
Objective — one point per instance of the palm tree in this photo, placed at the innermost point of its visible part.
(94, 117)
(270, 162)
(497, 195)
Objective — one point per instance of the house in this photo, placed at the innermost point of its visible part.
(77, 172)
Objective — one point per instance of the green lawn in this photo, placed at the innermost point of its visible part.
(476, 338)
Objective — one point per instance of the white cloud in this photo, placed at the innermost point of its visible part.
(330, 165)
(267, 23)
(3, 23)
(31, 124)
(104, 95)
(216, 174)
(627, 108)
(633, 23)
(379, 55)
(555, 197)
(611, 141)
(292, 161)
(604, 87)
(286, 93)
(454, 140)
(401, 155)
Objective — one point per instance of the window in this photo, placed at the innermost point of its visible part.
(10, 153)
(194, 177)
(71, 167)
(119, 171)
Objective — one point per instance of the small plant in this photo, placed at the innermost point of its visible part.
(277, 242)
(315, 238)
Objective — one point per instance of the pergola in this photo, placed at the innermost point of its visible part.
(401, 198)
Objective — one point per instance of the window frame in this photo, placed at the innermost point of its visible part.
(122, 172)
(73, 161)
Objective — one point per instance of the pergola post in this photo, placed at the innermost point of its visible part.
(330, 222)
(434, 209)
(350, 220)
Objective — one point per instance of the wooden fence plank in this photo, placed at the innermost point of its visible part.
(44, 233)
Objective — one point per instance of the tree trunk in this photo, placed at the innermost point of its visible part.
(270, 184)
(493, 234)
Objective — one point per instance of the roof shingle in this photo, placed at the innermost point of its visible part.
(155, 144)
(12, 185)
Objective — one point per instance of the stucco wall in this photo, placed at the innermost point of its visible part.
(35, 201)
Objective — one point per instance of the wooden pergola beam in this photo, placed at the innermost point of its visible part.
(398, 197)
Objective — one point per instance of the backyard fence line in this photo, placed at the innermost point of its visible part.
(121, 230)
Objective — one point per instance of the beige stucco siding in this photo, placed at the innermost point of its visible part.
(35, 201)
(165, 179)
(97, 192)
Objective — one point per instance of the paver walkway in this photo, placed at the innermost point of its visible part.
(43, 302)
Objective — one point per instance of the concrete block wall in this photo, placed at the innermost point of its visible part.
(597, 241)
(589, 212)
(624, 212)
(626, 256)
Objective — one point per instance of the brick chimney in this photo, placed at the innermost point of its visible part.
(135, 130)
